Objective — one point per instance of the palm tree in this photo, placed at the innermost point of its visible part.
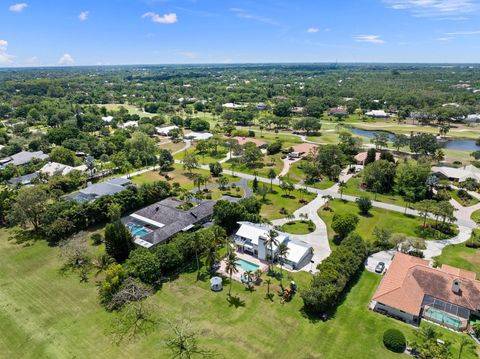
(101, 263)
(231, 267)
(464, 343)
(271, 175)
(211, 256)
(282, 252)
(271, 240)
(268, 281)
(341, 186)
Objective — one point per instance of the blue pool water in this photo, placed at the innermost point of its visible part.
(247, 266)
(137, 230)
(442, 317)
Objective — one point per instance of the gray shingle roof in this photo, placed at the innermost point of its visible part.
(25, 179)
(23, 157)
(174, 219)
(110, 187)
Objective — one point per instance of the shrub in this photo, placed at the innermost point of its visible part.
(364, 205)
(394, 340)
(343, 224)
(97, 239)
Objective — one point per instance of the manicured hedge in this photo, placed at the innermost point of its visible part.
(334, 274)
(394, 340)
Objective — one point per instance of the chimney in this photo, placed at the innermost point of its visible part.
(456, 286)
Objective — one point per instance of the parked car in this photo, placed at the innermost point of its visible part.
(380, 267)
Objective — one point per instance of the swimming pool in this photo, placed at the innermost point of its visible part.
(137, 230)
(442, 318)
(247, 266)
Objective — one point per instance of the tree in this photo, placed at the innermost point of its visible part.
(63, 155)
(341, 187)
(231, 267)
(183, 342)
(424, 144)
(282, 252)
(226, 214)
(271, 241)
(371, 156)
(315, 107)
(251, 154)
(424, 208)
(223, 182)
(364, 205)
(380, 140)
(308, 124)
(132, 290)
(28, 206)
(271, 176)
(400, 140)
(140, 150)
(118, 241)
(427, 345)
(144, 265)
(345, 223)
(255, 185)
(283, 109)
(263, 191)
(464, 343)
(411, 177)
(286, 185)
(382, 237)
(379, 176)
(136, 318)
(190, 162)
(165, 160)
(216, 169)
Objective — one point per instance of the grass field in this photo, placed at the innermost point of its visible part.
(297, 175)
(132, 110)
(454, 194)
(353, 189)
(269, 162)
(276, 201)
(298, 227)
(462, 257)
(394, 221)
(47, 315)
(476, 216)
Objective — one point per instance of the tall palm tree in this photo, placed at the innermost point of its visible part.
(268, 281)
(282, 252)
(271, 175)
(271, 240)
(341, 186)
(211, 255)
(231, 266)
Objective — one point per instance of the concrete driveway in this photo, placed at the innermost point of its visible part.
(318, 239)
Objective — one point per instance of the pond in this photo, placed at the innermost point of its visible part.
(455, 144)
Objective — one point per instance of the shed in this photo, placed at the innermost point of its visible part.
(216, 284)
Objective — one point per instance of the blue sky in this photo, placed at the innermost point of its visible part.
(91, 32)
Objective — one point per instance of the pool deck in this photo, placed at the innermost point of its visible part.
(261, 264)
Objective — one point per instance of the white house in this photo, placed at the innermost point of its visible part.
(233, 106)
(457, 174)
(199, 136)
(107, 119)
(128, 124)
(377, 114)
(251, 238)
(163, 131)
(53, 168)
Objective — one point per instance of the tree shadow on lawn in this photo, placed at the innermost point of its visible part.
(25, 237)
(235, 301)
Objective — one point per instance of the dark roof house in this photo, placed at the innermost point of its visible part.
(23, 157)
(92, 192)
(160, 221)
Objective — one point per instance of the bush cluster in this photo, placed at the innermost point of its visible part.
(334, 274)
(394, 340)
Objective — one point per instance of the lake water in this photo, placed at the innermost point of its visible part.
(456, 144)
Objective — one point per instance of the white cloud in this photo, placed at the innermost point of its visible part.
(66, 59)
(161, 19)
(463, 33)
(4, 57)
(241, 13)
(444, 39)
(373, 39)
(18, 7)
(313, 30)
(446, 9)
(83, 16)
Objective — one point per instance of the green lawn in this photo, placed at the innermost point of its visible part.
(298, 227)
(394, 221)
(276, 201)
(353, 189)
(268, 163)
(454, 194)
(297, 175)
(462, 257)
(204, 159)
(47, 315)
(476, 216)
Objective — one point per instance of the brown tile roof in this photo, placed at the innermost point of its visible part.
(362, 156)
(409, 279)
(244, 140)
(304, 148)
